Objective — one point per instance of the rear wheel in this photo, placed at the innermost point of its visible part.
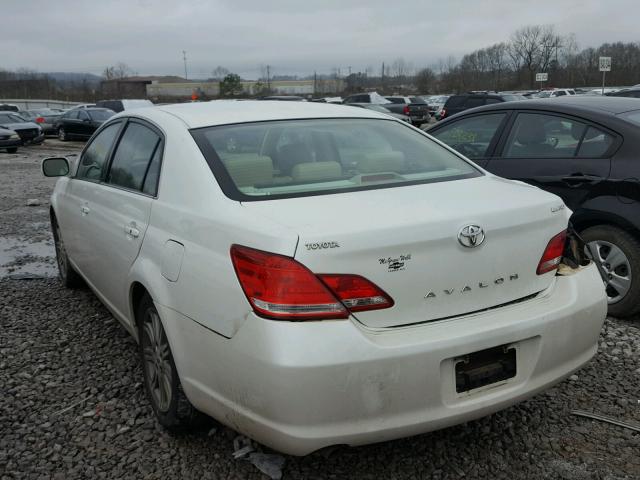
(162, 384)
(618, 254)
(12, 150)
(62, 135)
(68, 276)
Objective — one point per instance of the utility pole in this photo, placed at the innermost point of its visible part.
(349, 69)
(268, 79)
(382, 77)
(184, 57)
(315, 81)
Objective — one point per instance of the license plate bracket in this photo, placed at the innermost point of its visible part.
(486, 367)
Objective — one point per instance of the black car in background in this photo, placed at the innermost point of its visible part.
(29, 132)
(633, 92)
(81, 122)
(465, 101)
(585, 149)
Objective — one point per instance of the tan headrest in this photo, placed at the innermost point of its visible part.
(382, 162)
(316, 171)
(248, 169)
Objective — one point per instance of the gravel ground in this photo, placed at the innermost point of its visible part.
(72, 405)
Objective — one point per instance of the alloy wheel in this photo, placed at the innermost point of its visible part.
(157, 360)
(616, 268)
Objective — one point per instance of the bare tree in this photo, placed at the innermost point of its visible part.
(118, 71)
(219, 72)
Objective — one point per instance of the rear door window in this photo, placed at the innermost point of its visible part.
(544, 136)
(471, 136)
(133, 156)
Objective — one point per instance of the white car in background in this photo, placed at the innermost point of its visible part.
(556, 92)
(312, 275)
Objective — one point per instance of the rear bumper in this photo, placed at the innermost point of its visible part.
(299, 387)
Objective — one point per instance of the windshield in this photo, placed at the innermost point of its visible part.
(11, 118)
(101, 115)
(268, 160)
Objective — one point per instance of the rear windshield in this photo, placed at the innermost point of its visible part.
(101, 115)
(418, 100)
(456, 101)
(281, 159)
(632, 116)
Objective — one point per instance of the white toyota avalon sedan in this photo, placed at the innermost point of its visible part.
(313, 274)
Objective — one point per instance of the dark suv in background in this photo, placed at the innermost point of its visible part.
(459, 103)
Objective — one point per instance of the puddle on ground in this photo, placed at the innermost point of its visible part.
(24, 259)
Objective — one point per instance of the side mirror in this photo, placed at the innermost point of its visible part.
(55, 167)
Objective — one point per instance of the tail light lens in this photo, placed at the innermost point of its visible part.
(356, 292)
(406, 109)
(40, 120)
(279, 287)
(552, 254)
(443, 113)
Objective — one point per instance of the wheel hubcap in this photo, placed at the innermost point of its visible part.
(157, 360)
(616, 267)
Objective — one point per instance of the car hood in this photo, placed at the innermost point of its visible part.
(20, 125)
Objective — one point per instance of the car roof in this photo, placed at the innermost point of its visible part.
(224, 112)
(569, 104)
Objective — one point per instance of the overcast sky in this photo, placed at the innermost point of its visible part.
(293, 36)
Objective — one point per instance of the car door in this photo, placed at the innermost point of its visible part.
(120, 210)
(474, 136)
(85, 128)
(565, 155)
(74, 208)
(71, 123)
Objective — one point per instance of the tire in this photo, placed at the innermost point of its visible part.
(12, 150)
(618, 252)
(68, 276)
(161, 381)
(62, 135)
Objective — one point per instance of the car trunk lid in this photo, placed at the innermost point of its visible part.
(405, 240)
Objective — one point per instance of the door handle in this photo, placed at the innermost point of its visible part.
(85, 210)
(131, 231)
(580, 178)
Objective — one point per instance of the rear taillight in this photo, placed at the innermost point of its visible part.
(40, 120)
(552, 255)
(356, 292)
(406, 109)
(279, 287)
(443, 113)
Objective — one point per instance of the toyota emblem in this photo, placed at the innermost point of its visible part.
(471, 236)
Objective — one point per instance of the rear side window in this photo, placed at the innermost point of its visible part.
(471, 136)
(133, 156)
(455, 101)
(268, 160)
(94, 158)
(473, 102)
(544, 136)
(595, 143)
